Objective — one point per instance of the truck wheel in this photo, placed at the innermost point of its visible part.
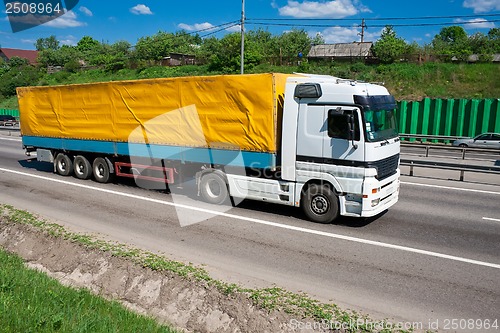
(63, 164)
(320, 204)
(213, 189)
(101, 171)
(82, 167)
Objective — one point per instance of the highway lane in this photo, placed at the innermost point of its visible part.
(281, 248)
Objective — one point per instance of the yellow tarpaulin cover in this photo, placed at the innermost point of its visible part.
(239, 111)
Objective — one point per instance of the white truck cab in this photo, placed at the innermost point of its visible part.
(339, 150)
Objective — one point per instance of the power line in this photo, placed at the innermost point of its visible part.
(372, 25)
(376, 18)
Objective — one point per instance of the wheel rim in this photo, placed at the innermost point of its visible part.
(213, 188)
(80, 168)
(99, 170)
(319, 205)
(62, 165)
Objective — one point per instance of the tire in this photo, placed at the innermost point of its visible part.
(463, 145)
(100, 170)
(82, 167)
(213, 189)
(63, 164)
(320, 204)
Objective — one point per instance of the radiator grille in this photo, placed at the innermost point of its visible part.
(386, 167)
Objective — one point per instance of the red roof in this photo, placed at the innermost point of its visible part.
(26, 54)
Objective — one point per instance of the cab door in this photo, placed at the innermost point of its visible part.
(343, 145)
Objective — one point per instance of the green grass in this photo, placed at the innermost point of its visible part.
(30, 301)
(299, 305)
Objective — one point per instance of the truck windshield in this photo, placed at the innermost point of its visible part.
(379, 116)
(380, 125)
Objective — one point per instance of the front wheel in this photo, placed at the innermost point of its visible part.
(320, 204)
(213, 189)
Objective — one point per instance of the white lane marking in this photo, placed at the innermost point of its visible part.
(11, 139)
(452, 188)
(491, 219)
(268, 223)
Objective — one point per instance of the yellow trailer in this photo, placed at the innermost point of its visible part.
(219, 112)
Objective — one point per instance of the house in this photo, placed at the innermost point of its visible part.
(341, 51)
(7, 54)
(178, 59)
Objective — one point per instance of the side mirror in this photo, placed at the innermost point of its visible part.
(350, 124)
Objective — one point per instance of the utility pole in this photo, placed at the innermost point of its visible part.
(362, 34)
(242, 36)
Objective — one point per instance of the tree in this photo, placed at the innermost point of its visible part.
(59, 57)
(494, 39)
(87, 43)
(290, 44)
(452, 42)
(49, 43)
(389, 47)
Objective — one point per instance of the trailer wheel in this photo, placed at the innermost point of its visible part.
(63, 164)
(213, 189)
(320, 204)
(82, 167)
(100, 169)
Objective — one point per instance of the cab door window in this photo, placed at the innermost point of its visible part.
(340, 122)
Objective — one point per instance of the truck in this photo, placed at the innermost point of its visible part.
(325, 144)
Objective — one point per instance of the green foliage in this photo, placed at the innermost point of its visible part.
(49, 43)
(452, 42)
(160, 45)
(389, 48)
(87, 43)
(18, 76)
(60, 57)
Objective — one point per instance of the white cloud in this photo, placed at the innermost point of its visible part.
(68, 40)
(482, 6)
(334, 35)
(234, 28)
(86, 11)
(68, 20)
(477, 23)
(141, 10)
(315, 9)
(196, 26)
(28, 41)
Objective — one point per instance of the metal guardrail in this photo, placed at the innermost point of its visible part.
(412, 163)
(450, 166)
(431, 137)
(463, 150)
(10, 129)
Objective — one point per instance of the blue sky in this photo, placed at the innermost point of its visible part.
(111, 21)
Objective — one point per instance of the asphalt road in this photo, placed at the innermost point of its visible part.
(433, 256)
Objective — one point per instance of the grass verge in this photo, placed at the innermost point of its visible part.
(297, 304)
(30, 301)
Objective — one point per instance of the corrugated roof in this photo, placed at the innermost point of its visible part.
(341, 50)
(26, 54)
